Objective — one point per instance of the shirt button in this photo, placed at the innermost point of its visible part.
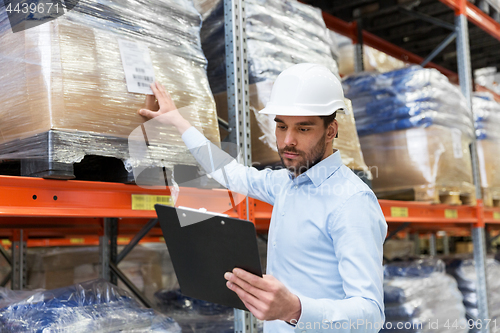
(283, 214)
(274, 243)
(295, 187)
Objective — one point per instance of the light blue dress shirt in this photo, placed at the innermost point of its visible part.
(325, 238)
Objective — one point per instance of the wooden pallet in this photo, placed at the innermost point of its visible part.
(437, 196)
(33, 157)
(491, 197)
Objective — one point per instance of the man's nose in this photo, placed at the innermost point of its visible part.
(290, 139)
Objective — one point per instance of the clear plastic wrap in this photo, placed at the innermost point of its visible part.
(464, 271)
(264, 151)
(488, 77)
(150, 269)
(373, 59)
(420, 297)
(415, 130)
(487, 123)
(432, 161)
(279, 35)
(67, 76)
(93, 306)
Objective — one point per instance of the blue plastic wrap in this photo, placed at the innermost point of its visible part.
(418, 268)
(464, 271)
(94, 306)
(406, 98)
(419, 297)
(486, 116)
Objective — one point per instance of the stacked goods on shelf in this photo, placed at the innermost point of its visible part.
(398, 248)
(279, 35)
(149, 269)
(65, 88)
(420, 297)
(373, 60)
(94, 306)
(488, 77)
(4, 267)
(464, 271)
(487, 122)
(415, 130)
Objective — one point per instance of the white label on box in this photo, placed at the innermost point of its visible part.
(137, 65)
(456, 137)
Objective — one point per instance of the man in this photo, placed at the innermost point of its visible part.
(324, 265)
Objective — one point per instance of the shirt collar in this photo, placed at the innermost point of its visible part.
(324, 169)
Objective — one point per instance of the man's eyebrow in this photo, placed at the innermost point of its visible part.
(303, 123)
(306, 123)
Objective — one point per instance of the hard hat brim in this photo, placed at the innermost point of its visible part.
(296, 111)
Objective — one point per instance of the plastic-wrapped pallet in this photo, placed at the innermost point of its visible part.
(373, 60)
(487, 122)
(94, 306)
(196, 316)
(415, 130)
(66, 77)
(464, 271)
(420, 297)
(279, 35)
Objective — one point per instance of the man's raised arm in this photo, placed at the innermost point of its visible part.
(220, 165)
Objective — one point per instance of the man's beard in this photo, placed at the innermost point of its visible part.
(305, 161)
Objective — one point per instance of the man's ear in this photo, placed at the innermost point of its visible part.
(332, 130)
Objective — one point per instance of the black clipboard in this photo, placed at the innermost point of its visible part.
(202, 252)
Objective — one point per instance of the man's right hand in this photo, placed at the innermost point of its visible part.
(163, 109)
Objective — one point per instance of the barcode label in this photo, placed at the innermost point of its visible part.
(144, 78)
(137, 66)
(148, 202)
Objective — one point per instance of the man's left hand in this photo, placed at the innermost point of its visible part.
(266, 297)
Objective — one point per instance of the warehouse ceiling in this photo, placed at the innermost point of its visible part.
(392, 21)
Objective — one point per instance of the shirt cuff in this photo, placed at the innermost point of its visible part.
(193, 138)
(311, 312)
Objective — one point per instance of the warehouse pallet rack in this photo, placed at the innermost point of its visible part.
(36, 211)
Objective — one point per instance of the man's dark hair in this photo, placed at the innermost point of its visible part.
(327, 120)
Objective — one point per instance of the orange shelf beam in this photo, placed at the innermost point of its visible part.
(484, 89)
(37, 197)
(81, 206)
(492, 215)
(78, 241)
(476, 16)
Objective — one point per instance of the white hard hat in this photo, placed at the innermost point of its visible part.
(306, 90)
